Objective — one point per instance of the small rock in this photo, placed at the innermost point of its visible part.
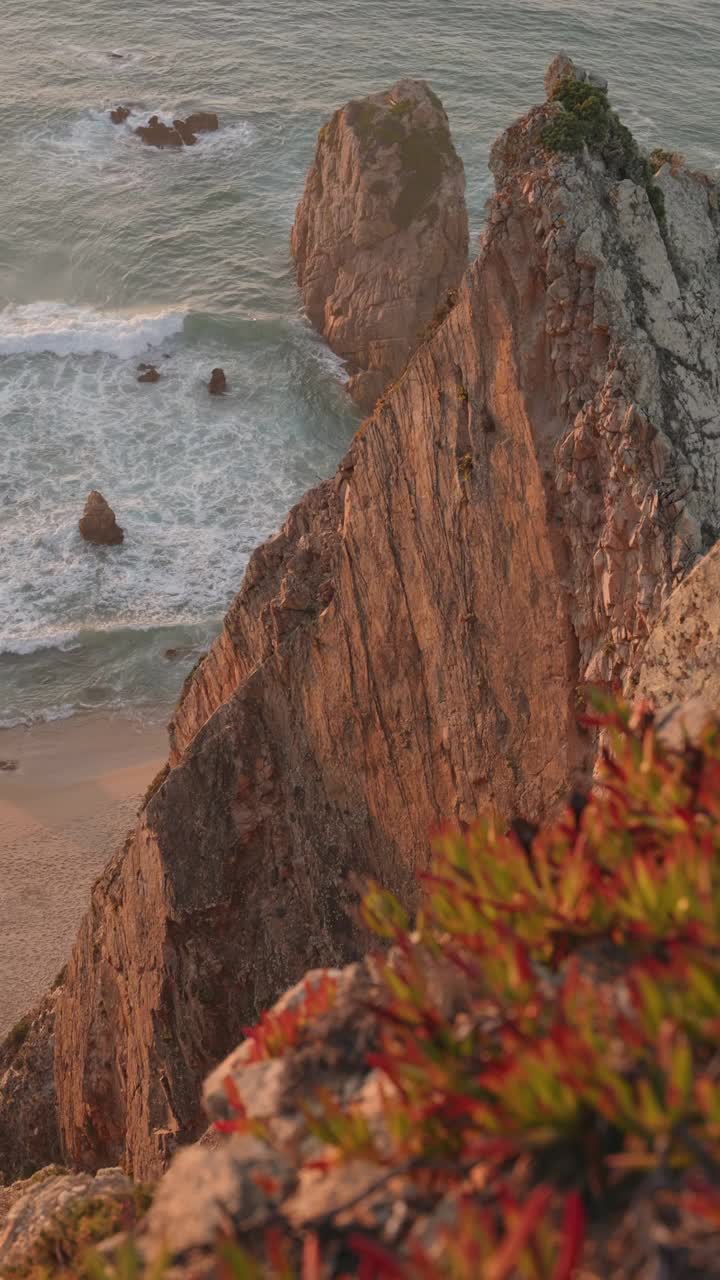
(218, 382)
(150, 373)
(182, 651)
(8, 766)
(119, 114)
(98, 524)
(182, 133)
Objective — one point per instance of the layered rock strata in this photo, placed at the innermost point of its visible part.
(381, 232)
(409, 648)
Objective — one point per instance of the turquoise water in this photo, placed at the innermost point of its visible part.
(111, 253)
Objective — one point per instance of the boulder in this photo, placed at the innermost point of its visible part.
(218, 382)
(202, 122)
(119, 115)
(98, 523)
(149, 374)
(381, 232)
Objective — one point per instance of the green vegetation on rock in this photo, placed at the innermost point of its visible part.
(587, 119)
(425, 152)
(62, 1251)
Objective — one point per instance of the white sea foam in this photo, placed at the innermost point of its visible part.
(22, 646)
(62, 712)
(63, 329)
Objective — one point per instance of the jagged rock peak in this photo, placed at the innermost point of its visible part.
(562, 68)
(381, 233)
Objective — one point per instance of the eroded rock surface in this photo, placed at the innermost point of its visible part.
(381, 232)
(409, 647)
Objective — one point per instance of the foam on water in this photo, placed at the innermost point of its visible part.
(63, 329)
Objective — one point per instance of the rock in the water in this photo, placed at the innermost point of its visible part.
(186, 133)
(182, 133)
(98, 523)
(218, 382)
(381, 232)
(202, 122)
(8, 766)
(119, 114)
(157, 134)
(149, 374)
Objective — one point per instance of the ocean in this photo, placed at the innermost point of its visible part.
(112, 253)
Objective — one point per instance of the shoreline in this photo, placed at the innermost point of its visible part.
(63, 811)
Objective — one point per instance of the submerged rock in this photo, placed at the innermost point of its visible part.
(381, 232)
(218, 382)
(98, 523)
(149, 374)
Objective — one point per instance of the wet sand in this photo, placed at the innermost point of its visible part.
(63, 812)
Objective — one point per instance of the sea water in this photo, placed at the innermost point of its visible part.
(113, 253)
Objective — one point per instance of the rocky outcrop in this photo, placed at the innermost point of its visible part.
(98, 524)
(54, 1217)
(217, 385)
(119, 115)
(149, 373)
(409, 648)
(182, 133)
(381, 233)
(681, 659)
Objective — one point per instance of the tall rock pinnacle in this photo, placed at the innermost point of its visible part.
(381, 232)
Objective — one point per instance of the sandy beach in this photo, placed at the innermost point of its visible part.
(63, 811)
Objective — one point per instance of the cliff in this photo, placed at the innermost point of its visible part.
(381, 233)
(409, 649)
(525, 1083)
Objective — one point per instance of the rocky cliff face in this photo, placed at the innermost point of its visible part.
(381, 233)
(682, 657)
(409, 648)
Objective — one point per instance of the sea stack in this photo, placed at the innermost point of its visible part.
(381, 232)
(98, 524)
